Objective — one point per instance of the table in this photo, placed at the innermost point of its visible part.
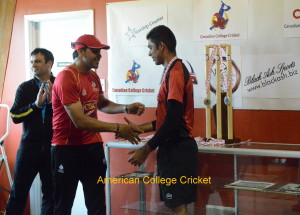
(245, 148)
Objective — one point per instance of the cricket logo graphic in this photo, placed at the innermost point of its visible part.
(220, 20)
(133, 74)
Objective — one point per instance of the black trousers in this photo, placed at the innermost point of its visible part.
(71, 164)
(30, 161)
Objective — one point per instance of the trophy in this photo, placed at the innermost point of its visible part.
(219, 64)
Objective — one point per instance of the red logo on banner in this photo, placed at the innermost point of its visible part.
(295, 15)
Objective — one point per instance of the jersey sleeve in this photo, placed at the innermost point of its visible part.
(176, 84)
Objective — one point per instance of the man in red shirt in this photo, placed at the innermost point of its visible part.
(77, 151)
(177, 152)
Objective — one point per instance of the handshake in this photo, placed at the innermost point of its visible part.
(129, 132)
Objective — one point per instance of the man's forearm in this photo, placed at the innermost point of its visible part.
(148, 127)
(114, 108)
(94, 125)
(171, 126)
(110, 107)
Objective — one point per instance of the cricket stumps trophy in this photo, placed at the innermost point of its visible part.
(219, 64)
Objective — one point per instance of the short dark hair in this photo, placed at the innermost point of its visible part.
(163, 34)
(47, 54)
(75, 53)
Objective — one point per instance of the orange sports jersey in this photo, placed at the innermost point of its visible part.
(70, 87)
(177, 90)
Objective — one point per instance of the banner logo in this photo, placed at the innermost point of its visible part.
(235, 77)
(220, 20)
(133, 32)
(130, 33)
(133, 74)
(296, 14)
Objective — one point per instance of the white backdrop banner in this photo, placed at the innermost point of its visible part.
(131, 71)
(264, 50)
(220, 20)
(133, 76)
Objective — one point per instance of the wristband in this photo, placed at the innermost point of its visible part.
(125, 109)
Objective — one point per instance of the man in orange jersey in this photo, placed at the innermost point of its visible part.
(177, 149)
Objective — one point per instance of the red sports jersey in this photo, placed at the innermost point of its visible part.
(70, 87)
(177, 88)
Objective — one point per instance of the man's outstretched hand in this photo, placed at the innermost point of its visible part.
(139, 155)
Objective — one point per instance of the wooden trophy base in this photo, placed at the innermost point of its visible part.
(228, 141)
(224, 122)
(232, 141)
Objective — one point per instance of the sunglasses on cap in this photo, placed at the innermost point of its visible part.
(96, 51)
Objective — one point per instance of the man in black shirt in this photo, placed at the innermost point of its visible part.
(32, 107)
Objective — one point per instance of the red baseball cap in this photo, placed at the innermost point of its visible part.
(88, 41)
